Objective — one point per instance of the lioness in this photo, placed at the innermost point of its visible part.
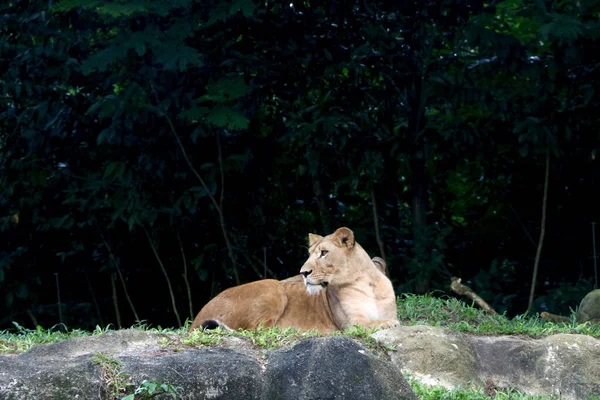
(339, 286)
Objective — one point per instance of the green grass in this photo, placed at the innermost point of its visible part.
(22, 339)
(271, 338)
(412, 310)
(264, 338)
(425, 392)
(456, 315)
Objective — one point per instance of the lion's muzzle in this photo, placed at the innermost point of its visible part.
(305, 274)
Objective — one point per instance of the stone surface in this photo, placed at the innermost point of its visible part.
(589, 309)
(435, 356)
(214, 373)
(332, 368)
(566, 366)
(317, 368)
(563, 365)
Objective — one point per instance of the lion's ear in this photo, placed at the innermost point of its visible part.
(380, 264)
(345, 237)
(313, 239)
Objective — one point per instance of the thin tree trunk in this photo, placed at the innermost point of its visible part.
(542, 232)
(419, 223)
(115, 300)
(164, 271)
(265, 262)
(322, 204)
(94, 300)
(33, 318)
(377, 233)
(115, 263)
(206, 188)
(185, 278)
(418, 182)
(522, 226)
(60, 318)
(236, 274)
(418, 198)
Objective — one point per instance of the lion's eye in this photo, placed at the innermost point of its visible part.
(324, 253)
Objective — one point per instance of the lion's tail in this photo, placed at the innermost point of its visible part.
(214, 324)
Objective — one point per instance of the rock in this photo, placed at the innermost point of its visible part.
(332, 368)
(433, 355)
(213, 373)
(589, 309)
(335, 367)
(317, 368)
(564, 365)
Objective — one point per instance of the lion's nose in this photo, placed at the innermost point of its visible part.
(305, 273)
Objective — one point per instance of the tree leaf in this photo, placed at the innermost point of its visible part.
(226, 89)
(225, 117)
(111, 168)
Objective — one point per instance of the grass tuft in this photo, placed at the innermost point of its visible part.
(264, 338)
(23, 339)
(490, 391)
(456, 315)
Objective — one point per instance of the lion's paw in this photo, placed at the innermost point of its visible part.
(389, 324)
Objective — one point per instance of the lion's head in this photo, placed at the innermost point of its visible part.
(334, 260)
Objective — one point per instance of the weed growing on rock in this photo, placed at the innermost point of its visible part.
(149, 389)
(114, 381)
(426, 392)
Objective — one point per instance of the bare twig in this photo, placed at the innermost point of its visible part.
(115, 264)
(265, 262)
(236, 274)
(464, 290)
(595, 257)
(323, 211)
(164, 271)
(254, 263)
(33, 318)
(185, 277)
(115, 300)
(94, 300)
(221, 172)
(60, 319)
(538, 254)
(206, 188)
(377, 234)
(522, 225)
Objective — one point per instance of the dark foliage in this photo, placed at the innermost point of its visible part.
(154, 149)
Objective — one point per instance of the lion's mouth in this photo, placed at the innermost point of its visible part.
(322, 284)
(315, 288)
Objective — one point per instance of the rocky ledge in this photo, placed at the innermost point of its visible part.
(316, 368)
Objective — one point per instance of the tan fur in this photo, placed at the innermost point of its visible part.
(339, 286)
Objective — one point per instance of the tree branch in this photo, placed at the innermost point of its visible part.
(522, 225)
(464, 290)
(206, 188)
(377, 234)
(185, 277)
(114, 298)
(164, 270)
(542, 232)
(115, 264)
